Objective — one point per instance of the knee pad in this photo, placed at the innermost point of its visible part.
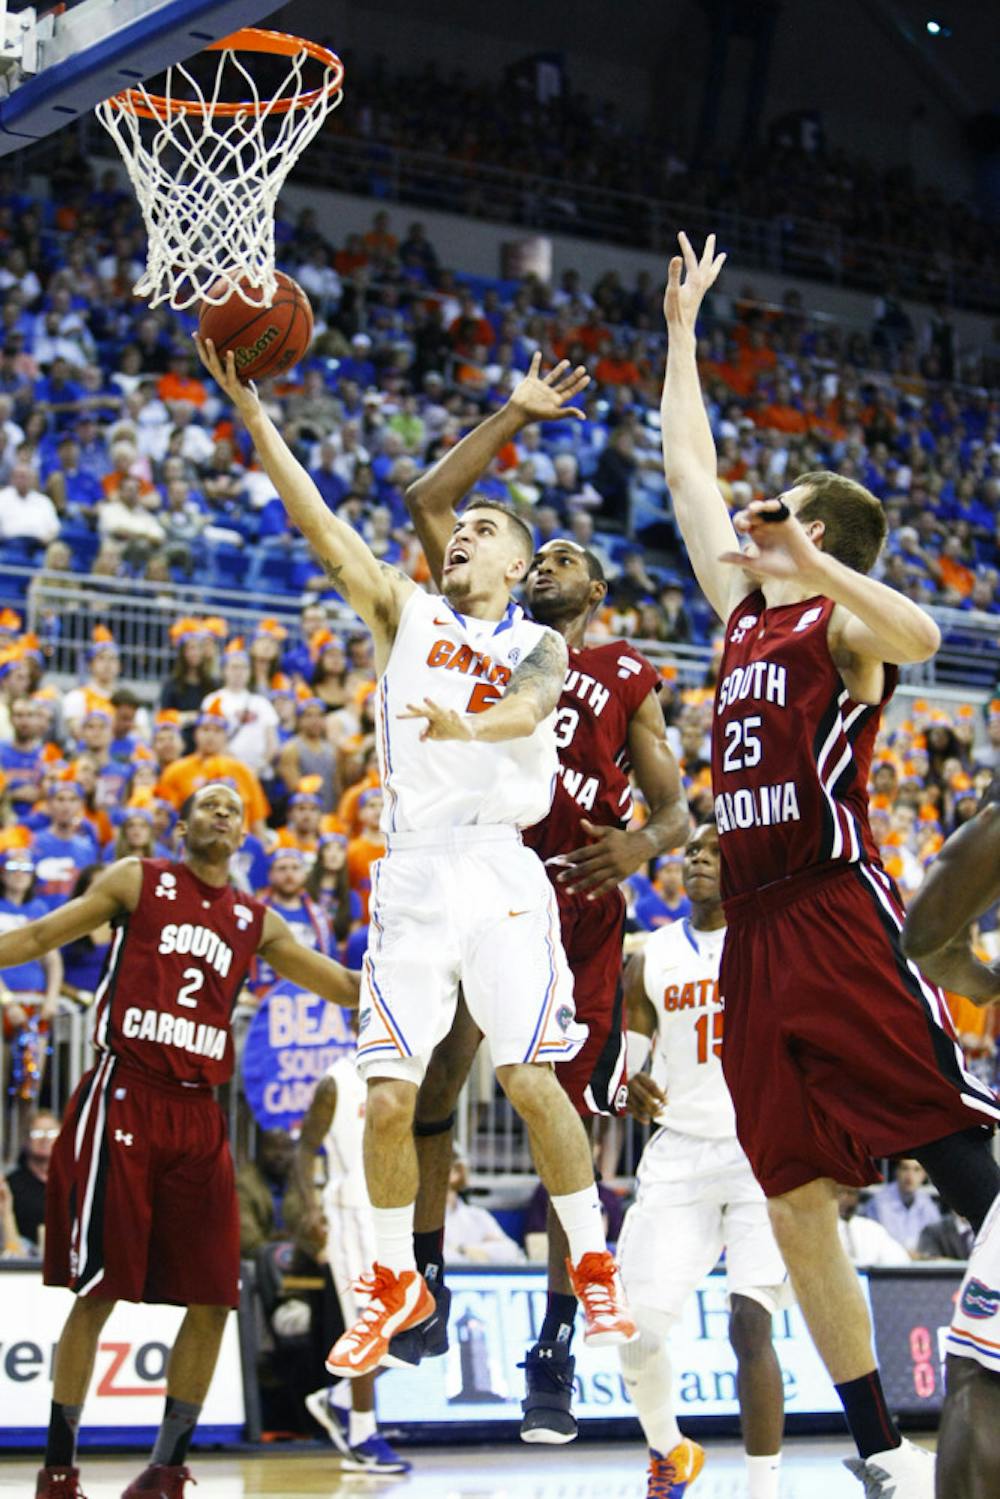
(424, 1129)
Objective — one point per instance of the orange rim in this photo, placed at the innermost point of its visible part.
(250, 39)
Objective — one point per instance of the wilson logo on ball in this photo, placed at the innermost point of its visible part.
(246, 353)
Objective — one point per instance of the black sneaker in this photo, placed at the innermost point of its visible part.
(430, 1339)
(548, 1417)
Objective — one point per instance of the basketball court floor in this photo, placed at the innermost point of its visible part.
(812, 1470)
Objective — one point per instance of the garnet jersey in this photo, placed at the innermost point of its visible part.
(791, 750)
(176, 965)
(605, 685)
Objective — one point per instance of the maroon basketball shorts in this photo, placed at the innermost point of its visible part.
(836, 1050)
(592, 932)
(141, 1199)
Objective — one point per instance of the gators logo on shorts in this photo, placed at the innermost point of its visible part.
(980, 1301)
(564, 1017)
(364, 1020)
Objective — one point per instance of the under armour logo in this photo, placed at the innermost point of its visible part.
(809, 618)
(745, 623)
(123, 1137)
(167, 887)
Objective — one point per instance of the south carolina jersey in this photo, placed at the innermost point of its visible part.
(681, 974)
(605, 684)
(464, 664)
(790, 749)
(175, 968)
(342, 1144)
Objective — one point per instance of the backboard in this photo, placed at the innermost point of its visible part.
(56, 67)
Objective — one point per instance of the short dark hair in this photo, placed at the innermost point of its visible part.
(124, 697)
(854, 521)
(594, 566)
(515, 524)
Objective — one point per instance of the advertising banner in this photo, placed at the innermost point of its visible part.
(126, 1396)
(293, 1039)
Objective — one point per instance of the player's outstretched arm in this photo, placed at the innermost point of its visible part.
(874, 622)
(315, 1126)
(114, 891)
(615, 853)
(301, 965)
(689, 460)
(433, 497)
(374, 590)
(645, 1097)
(962, 883)
(529, 697)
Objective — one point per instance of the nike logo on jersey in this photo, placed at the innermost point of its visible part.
(443, 624)
(809, 618)
(517, 913)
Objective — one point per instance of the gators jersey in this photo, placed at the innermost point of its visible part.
(463, 663)
(173, 974)
(791, 750)
(605, 684)
(681, 976)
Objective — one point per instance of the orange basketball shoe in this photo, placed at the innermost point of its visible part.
(598, 1288)
(159, 1481)
(670, 1476)
(395, 1303)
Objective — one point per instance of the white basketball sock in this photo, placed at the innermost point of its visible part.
(763, 1476)
(362, 1426)
(341, 1394)
(580, 1216)
(648, 1379)
(394, 1238)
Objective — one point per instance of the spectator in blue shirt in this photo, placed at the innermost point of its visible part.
(905, 1206)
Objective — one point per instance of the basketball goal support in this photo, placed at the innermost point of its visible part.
(55, 68)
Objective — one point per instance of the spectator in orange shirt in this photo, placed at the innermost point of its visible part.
(614, 367)
(368, 846)
(755, 357)
(348, 817)
(180, 383)
(352, 257)
(210, 762)
(380, 242)
(126, 464)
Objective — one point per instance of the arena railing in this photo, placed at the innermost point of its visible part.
(62, 610)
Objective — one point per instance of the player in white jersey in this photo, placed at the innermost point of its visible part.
(339, 1224)
(696, 1192)
(467, 687)
(962, 883)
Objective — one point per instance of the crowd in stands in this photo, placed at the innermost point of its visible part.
(868, 225)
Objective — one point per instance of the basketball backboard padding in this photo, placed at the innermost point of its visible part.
(102, 46)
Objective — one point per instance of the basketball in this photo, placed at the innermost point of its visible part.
(267, 341)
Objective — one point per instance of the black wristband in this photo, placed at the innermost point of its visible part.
(773, 516)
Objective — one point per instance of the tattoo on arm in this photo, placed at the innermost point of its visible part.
(542, 673)
(335, 573)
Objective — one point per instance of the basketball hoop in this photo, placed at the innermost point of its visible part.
(207, 172)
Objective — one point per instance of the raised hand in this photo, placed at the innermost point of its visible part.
(243, 397)
(683, 298)
(543, 399)
(781, 546)
(602, 864)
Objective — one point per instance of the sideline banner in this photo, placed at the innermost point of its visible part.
(126, 1397)
(293, 1039)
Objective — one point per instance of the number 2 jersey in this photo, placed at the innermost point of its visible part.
(791, 750)
(462, 663)
(605, 685)
(173, 973)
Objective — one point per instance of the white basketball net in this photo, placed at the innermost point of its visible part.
(208, 183)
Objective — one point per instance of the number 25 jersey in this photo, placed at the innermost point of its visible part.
(791, 750)
(174, 970)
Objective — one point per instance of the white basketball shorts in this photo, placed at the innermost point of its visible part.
(696, 1198)
(350, 1253)
(469, 906)
(975, 1330)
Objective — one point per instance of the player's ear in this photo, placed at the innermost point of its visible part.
(598, 593)
(517, 570)
(815, 530)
